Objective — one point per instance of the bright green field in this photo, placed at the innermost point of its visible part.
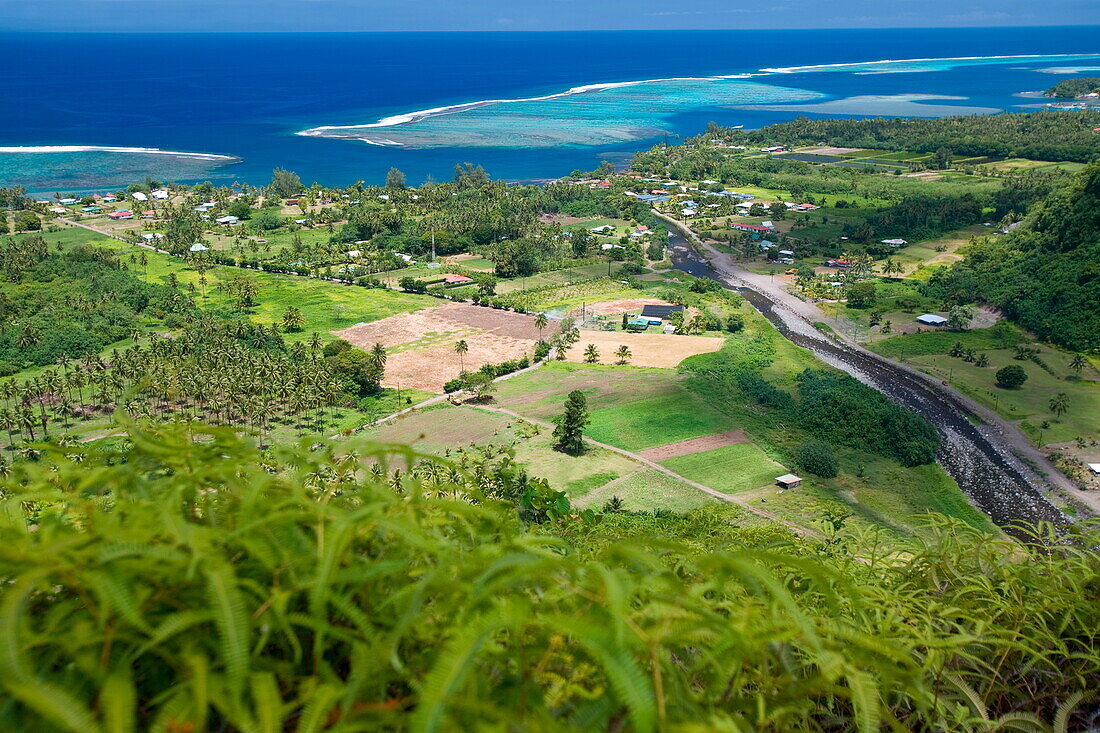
(640, 424)
(730, 469)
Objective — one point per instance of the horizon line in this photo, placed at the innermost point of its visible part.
(502, 31)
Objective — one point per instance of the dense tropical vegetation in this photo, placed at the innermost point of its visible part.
(1044, 135)
(1070, 88)
(174, 584)
(1044, 274)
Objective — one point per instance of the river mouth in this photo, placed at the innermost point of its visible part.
(996, 481)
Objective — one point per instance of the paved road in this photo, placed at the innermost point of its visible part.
(979, 457)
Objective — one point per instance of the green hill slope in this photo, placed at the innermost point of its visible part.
(1046, 273)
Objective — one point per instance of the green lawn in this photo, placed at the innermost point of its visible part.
(639, 424)
(1028, 404)
(648, 490)
(940, 342)
(929, 352)
(576, 475)
(873, 480)
(730, 469)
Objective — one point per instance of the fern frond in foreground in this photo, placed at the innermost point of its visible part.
(199, 585)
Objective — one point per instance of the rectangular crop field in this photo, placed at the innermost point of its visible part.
(730, 469)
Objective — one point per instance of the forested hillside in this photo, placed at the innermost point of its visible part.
(1070, 88)
(1046, 273)
(1057, 135)
(188, 582)
(62, 305)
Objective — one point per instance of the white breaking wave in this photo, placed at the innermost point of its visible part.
(417, 116)
(111, 149)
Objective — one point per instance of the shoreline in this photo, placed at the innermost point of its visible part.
(408, 118)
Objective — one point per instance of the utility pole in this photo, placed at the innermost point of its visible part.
(433, 245)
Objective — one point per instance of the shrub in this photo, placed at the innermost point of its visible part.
(180, 584)
(1011, 377)
(818, 458)
(844, 411)
(412, 285)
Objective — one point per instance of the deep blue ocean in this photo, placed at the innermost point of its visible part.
(247, 95)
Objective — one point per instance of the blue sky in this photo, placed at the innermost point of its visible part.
(530, 15)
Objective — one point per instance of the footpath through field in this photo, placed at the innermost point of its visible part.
(668, 472)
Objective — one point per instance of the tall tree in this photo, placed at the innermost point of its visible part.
(570, 425)
(461, 348)
(540, 323)
(395, 179)
(285, 183)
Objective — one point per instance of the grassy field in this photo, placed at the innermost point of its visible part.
(576, 475)
(1028, 404)
(730, 469)
(441, 428)
(567, 287)
(940, 342)
(326, 306)
(647, 490)
(647, 423)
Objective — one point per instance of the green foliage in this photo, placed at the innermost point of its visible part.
(1069, 88)
(861, 294)
(1046, 274)
(570, 425)
(182, 584)
(285, 183)
(1036, 135)
(1011, 376)
(266, 220)
(72, 302)
(838, 408)
(818, 458)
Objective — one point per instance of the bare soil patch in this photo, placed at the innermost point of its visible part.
(424, 341)
(694, 445)
(562, 219)
(647, 349)
(625, 305)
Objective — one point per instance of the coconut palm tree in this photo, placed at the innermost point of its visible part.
(541, 321)
(591, 354)
(1077, 363)
(1059, 404)
(622, 355)
(461, 348)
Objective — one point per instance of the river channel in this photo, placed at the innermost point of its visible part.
(976, 455)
